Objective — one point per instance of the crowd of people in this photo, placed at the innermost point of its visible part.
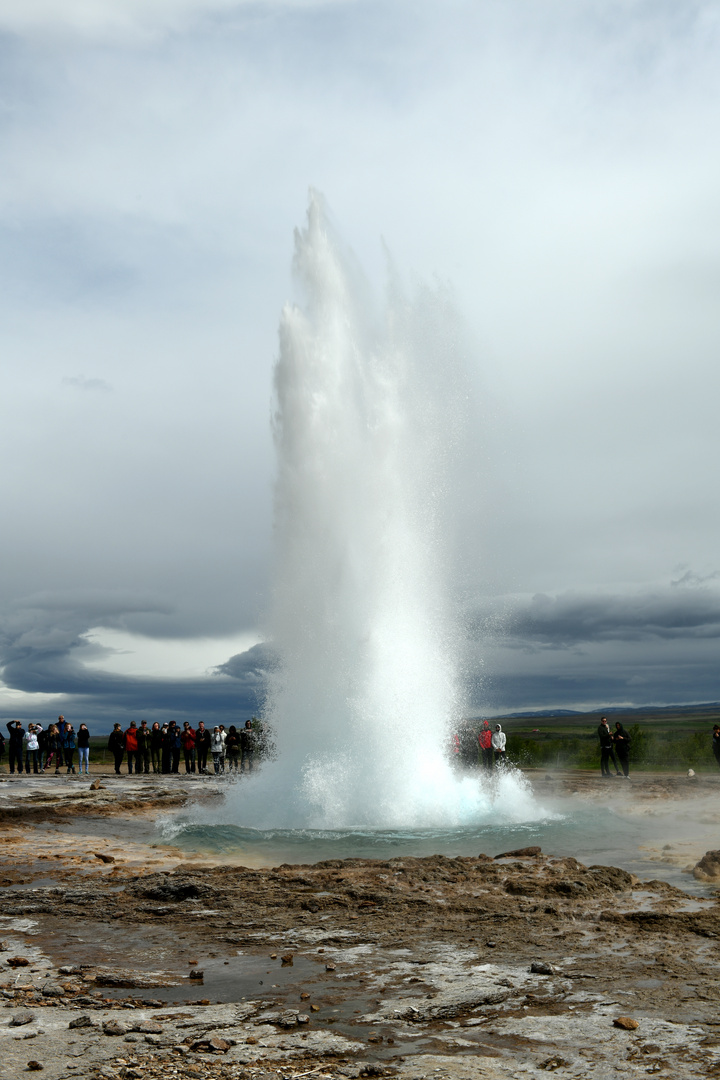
(156, 748)
(488, 749)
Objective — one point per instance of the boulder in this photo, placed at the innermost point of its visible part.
(708, 869)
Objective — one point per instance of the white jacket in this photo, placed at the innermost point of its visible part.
(217, 743)
(498, 739)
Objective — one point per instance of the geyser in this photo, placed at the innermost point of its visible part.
(369, 403)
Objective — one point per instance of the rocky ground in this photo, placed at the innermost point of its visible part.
(123, 960)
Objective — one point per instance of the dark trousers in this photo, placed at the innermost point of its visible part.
(499, 756)
(607, 754)
(487, 757)
(145, 756)
(31, 756)
(246, 761)
(202, 758)
(69, 753)
(175, 761)
(625, 763)
(119, 755)
(136, 757)
(190, 760)
(166, 759)
(14, 756)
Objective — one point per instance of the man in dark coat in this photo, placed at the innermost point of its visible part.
(607, 753)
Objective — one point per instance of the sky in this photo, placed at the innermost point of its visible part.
(554, 163)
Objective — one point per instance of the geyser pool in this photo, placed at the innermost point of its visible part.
(369, 415)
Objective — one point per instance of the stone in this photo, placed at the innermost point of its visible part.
(35, 1066)
(303, 1018)
(81, 1021)
(198, 974)
(214, 1045)
(554, 1063)
(626, 1023)
(70, 969)
(103, 857)
(18, 961)
(96, 785)
(520, 853)
(708, 869)
(148, 1027)
(287, 958)
(114, 1027)
(20, 1018)
(538, 967)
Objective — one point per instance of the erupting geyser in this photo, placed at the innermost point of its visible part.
(366, 691)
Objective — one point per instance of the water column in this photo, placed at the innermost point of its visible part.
(367, 415)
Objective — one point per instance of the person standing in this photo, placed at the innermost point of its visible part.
(232, 748)
(621, 740)
(31, 746)
(2, 748)
(131, 747)
(156, 741)
(175, 732)
(247, 746)
(16, 734)
(716, 743)
(69, 743)
(187, 738)
(202, 746)
(143, 746)
(116, 746)
(606, 748)
(83, 742)
(53, 749)
(166, 745)
(217, 749)
(498, 744)
(485, 741)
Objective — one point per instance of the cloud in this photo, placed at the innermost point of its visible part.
(102, 19)
(80, 382)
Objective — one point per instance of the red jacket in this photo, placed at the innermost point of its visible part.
(187, 738)
(131, 740)
(485, 738)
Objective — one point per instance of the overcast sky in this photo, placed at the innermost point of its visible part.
(556, 162)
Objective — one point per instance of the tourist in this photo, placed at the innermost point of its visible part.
(68, 744)
(716, 743)
(53, 749)
(83, 742)
(131, 747)
(31, 747)
(486, 749)
(42, 740)
(116, 745)
(247, 745)
(202, 746)
(498, 744)
(15, 745)
(217, 749)
(175, 733)
(187, 738)
(2, 748)
(143, 747)
(166, 744)
(156, 747)
(232, 748)
(606, 748)
(621, 739)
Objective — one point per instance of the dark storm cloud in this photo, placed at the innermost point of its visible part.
(250, 667)
(42, 646)
(574, 618)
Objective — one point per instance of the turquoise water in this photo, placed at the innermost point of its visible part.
(589, 835)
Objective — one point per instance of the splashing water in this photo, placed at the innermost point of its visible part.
(368, 420)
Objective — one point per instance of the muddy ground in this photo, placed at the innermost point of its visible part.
(118, 959)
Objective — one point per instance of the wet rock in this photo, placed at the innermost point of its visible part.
(49, 990)
(708, 869)
(171, 888)
(199, 974)
(303, 1018)
(626, 1023)
(521, 853)
(18, 961)
(539, 967)
(129, 979)
(96, 785)
(554, 1063)
(103, 857)
(286, 958)
(82, 1021)
(35, 1066)
(70, 969)
(20, 1018)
